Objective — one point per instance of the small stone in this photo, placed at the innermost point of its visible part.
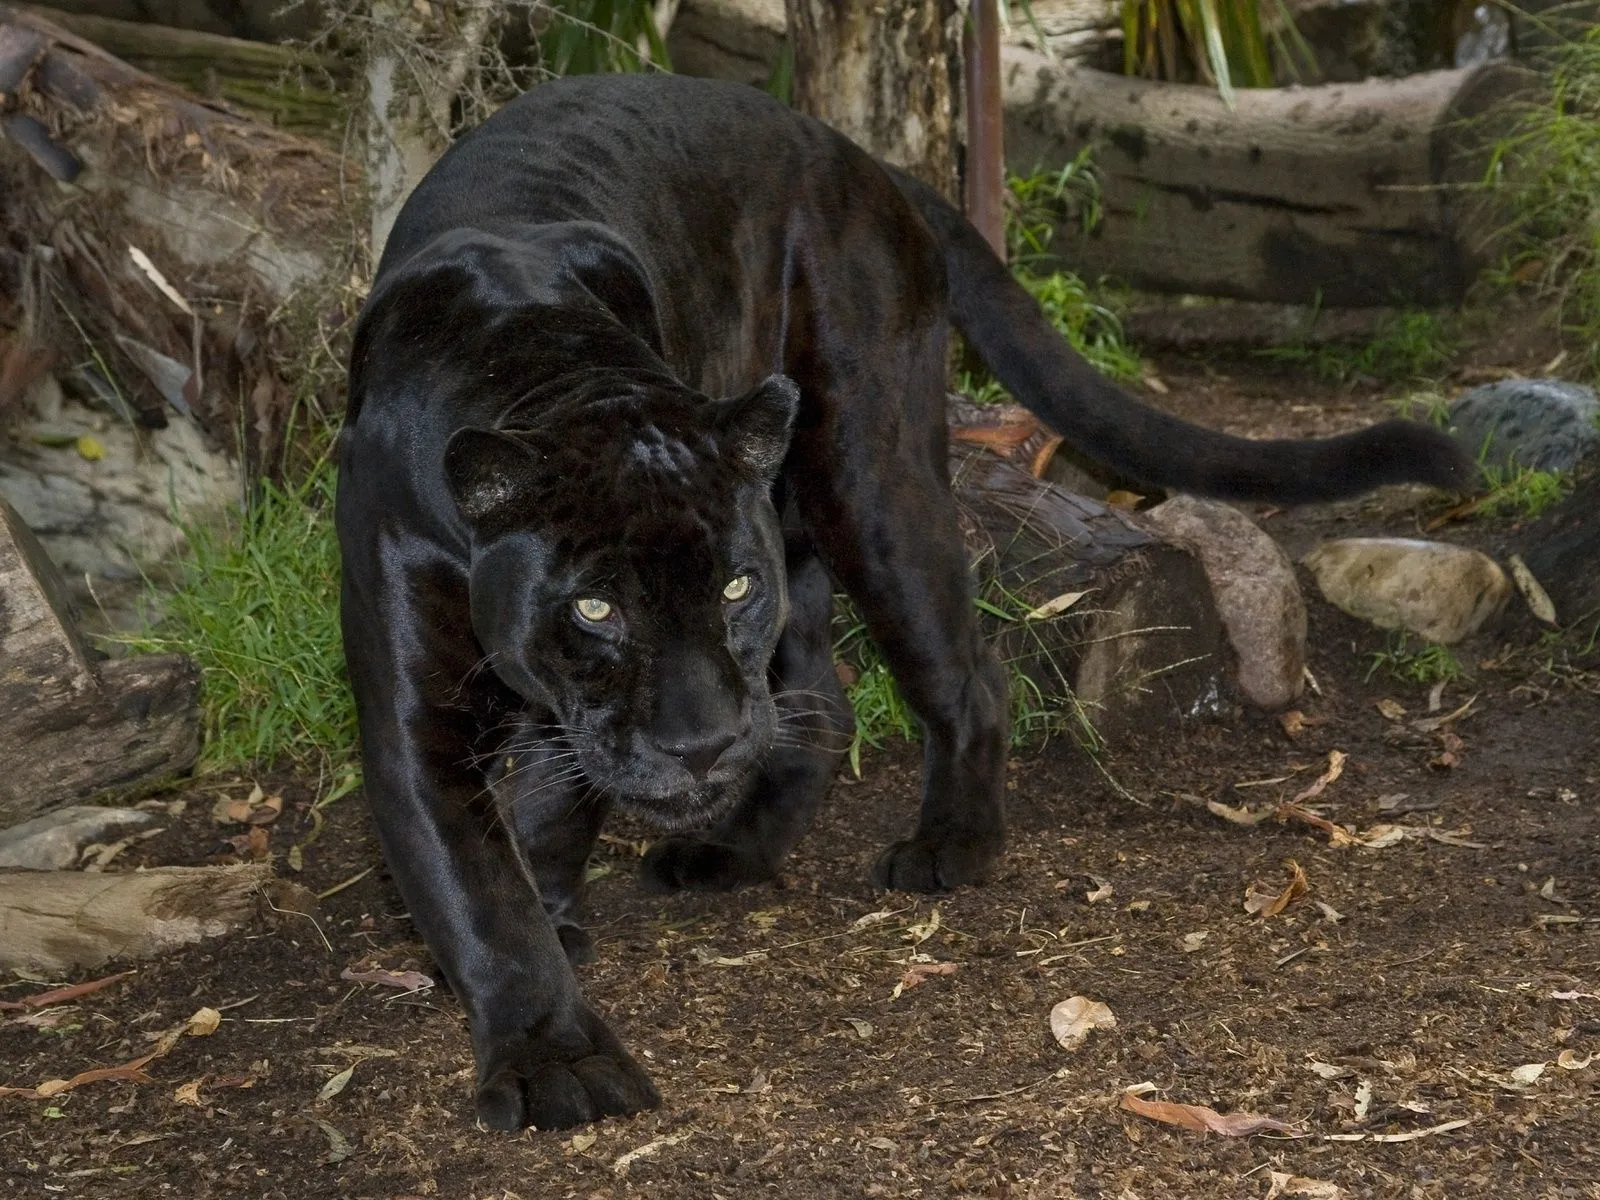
(53, 841)
(1545, 424)
(1439, 591)
(1257, 596)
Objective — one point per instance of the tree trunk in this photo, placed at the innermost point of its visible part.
(882, 74)
(1345, 194)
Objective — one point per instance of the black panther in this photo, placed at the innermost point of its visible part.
(650, 365)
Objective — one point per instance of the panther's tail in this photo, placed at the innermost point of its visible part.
(1002, 322)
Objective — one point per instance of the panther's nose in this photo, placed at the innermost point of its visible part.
(699, 755)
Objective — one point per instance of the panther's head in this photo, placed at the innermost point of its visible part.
(628, 581)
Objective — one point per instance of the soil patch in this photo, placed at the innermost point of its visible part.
(1410, 988)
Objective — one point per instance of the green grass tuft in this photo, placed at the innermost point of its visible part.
(1545, 176)
(1409, 346)
(1522, 492)
(257, 608)
(1425, 663)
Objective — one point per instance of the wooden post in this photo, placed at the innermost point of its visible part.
(985, 182)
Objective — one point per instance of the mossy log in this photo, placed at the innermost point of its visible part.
(1342, 194)
(289, 87)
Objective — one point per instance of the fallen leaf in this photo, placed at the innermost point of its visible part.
(1392, 710)
(1283, 1184)
(338, 1145)
(1055, 606)
(410, 981)
(1102, 891)
(1199, 1118)
(1434, 724)
(189, 1093)
(1123, 499)
(882, 1143)
(204, 1023)
(1363, 1100)
(1338, 835)
(1239, 816)
(1568, 1060)
(917, 973)
(1329, 913)
(1156, 384)
(61, 995)
(1193, 941)
(1381, 836)
(1336, 761)
(1575, 995)
(1267, 903)
(582, 1141)
(863, 1028)
(1539, 602)
(1528, 1073)
(1074, 1019)
(923, 930)
(1294, 722)
(336, 1084)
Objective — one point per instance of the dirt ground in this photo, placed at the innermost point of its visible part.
(1421, 1020)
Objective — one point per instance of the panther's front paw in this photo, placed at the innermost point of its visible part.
(687, 863)
(926, 864)
(559, 1076)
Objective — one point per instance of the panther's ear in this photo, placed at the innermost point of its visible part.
(487, 471)
(757, 424)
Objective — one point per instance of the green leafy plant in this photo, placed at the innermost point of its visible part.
(257, 607)
(1225, 43)
(1544, 175)
(589, 37)
(1411, 661)
(1039, 204)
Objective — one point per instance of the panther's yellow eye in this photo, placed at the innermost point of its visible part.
(592, 609)
(738, 588)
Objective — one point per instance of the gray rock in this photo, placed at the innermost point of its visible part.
(54, 840)
(1547, 424)
(1256, 594)
(1438, 591)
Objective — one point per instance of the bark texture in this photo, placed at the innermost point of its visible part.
(883, 74)
(53, 922)
(70, 728)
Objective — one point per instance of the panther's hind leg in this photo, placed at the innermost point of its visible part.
(814, 726)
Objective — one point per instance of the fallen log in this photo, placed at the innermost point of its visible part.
(69, 727)
(53, 922)
(289, 87)
(1344, 194)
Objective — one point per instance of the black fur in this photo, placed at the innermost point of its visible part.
(649, 364)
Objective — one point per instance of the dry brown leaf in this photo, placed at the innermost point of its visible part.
(1199, 1118)
(917, 973)
(1264, 902)
(1102, 890)
(1338, 835)
(1411, 1136)
(1294, 722)
(189, 1093)
(1239, 816)
(1336, 761)
(1284, 1184)
(410, 981)
(336, 1083)
(1434, 724)
(61, 995)
(1074, 1019)
(1568, 1060)
(1054, 606)
(1002, 438)
(1392, 710)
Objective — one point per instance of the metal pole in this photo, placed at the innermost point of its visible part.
(985, 183)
